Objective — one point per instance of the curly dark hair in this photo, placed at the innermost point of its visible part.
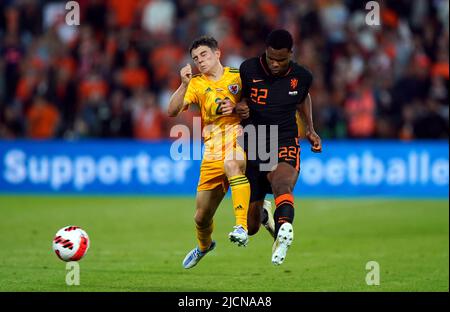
(280, 39)
(204, 41)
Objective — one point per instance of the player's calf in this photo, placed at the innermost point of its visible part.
(254, 217)
(268, 218)
(284, 212)
(240, 195)
(283, 180)
(204, 226)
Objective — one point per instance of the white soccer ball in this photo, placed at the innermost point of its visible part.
(71, 243)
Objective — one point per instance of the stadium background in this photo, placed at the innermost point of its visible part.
(82, 116)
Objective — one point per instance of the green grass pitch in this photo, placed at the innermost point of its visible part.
(138, 243)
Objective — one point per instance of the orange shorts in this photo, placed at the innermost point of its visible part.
(212, 171)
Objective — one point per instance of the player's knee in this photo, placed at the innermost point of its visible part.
(202, 220)
(281, 187)
(232, 168)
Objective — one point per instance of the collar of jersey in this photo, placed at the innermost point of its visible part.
(226, 69)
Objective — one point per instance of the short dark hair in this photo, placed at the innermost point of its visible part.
(204, 41)
(280, 39)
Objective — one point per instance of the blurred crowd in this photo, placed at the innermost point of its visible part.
(112, 76)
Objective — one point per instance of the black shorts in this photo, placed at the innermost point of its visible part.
(288, 152)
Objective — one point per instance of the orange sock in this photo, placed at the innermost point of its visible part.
(284, 211)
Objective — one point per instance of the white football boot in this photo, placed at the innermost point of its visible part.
(281, 245)
(195, 255)
(239, 236)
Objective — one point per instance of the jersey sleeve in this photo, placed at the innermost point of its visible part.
(307, 78)
(243, 74)
(191, 96)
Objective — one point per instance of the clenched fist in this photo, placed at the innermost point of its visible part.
(227, 107)
(186, 74)
(314, 140)
(242, 110)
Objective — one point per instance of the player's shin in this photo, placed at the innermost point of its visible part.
(240, 193)
(284, 211)
(204, 235)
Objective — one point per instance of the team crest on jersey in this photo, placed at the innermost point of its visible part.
(294, 83)
(234, 88)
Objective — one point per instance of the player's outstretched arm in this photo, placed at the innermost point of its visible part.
(176, 102)
(305, 110)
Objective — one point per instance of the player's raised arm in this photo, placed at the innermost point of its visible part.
(305, 110)
(176, 102)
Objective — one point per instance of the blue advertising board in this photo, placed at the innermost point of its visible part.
(344, 168)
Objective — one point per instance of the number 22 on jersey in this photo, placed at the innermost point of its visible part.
(258, 96)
